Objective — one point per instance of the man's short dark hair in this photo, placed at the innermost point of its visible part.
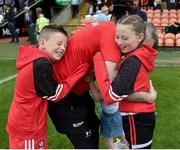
(121, 7)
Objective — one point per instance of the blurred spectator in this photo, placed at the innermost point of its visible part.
(143, 4)
(172, 4)
(151, 38)
(102, 15)
(99, 5)
(30, 24)
(94, 3)
(28, 2)
(174, 28)
(21, 4)
(119, 8)
(1, 18)
(10, 2)
(150, 4)
(1, 11)
(10, 16)
(41, 21)
(75, 7)
(157, 4)
(90, 9)
(1, 2)
(1, 6)
(135, 9)
(13, 4)
(178, 4)
(164, 4)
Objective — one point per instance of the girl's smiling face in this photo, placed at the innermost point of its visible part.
(126, 38)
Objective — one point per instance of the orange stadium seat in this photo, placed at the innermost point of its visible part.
(169, 39)
(150, 15)
(149, 19)
(178, 39)
(172, 11)
(178, 15)
(150, 11)
(165, 11)
(165, 15)
(159, 29)
(172, 15)
(157, 11)
(164, 22)
(157, 15)
(172, 20)
(160, 39)
(156, 22)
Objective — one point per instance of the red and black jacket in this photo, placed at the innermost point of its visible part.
(133, 76)
(35, 86)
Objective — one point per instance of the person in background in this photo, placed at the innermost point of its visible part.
(1, 5)
(143, 4)
(178, 4)
(10, 2)
(172, 4)
(150, 4)
(157, 4)
(75, 7)
(164, 4)
(135, 9)
(41, 21)
(21, 4)
(27, 119)
(103, 14)
(30, 24)
(94, 5)
(90, 9)
(10, 16)
(1, 11)
(137, 62)
(99, 5)
(151, 38)
(173, 28)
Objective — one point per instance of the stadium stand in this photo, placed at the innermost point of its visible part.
(169, 39)
(161, 39)
(178, 39)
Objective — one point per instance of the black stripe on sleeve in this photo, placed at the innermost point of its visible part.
(123, 84)
(45, 84)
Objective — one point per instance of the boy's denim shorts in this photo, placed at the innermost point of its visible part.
(111, 124)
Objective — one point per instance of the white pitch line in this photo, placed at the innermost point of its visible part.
(167, 65)
(7, 79)
(14, 76)
(8, 58)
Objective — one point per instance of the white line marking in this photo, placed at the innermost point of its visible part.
(7, 79)
(8, 58)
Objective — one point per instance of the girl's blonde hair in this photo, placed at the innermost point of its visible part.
(134, 20)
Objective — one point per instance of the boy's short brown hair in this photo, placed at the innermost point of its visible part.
(49, 29)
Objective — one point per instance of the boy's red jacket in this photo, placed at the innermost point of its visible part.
(132, 77)
(28, 112)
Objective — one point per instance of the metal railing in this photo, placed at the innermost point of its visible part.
(20, 12)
